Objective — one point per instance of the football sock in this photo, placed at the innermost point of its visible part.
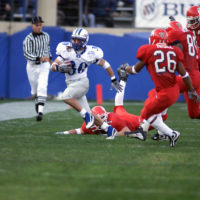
(161, 126)
(119, 97)
(40, 108)
(82, 113)
(145, 125)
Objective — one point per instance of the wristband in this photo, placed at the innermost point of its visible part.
(106, 65)
(113, 78)
(133, 70)
(186, 75)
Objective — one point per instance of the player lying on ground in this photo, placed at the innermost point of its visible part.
(120, 119)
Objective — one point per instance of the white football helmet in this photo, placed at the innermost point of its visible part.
(82, 35)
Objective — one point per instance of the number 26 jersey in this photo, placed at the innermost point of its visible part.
(161, 61)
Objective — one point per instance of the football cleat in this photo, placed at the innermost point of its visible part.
(89, 120)
(139, 134)
(159, 137)
(173, 139)
(39, 117)
(111, 133)
(123, 74)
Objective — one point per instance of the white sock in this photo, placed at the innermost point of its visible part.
(104, 126)
(82, 112)
(40, 108)
(119, 97)
(161, 126)
(164, 112)
(145, 125)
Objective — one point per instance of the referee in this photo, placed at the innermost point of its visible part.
(37, 53)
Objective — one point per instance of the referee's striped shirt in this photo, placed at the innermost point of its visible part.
(36, 46)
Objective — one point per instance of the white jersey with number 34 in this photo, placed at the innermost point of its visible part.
(80, 61)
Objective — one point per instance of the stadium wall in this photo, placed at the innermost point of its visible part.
(117, 49)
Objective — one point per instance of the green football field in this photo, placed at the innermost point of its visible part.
(37, 164)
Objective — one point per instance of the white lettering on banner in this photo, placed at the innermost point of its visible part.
(155, 13)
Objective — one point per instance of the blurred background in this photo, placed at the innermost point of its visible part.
(119, 27)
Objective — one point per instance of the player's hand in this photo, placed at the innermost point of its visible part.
(116, 85)
(172, 18)
(123, 66)
(193, 95)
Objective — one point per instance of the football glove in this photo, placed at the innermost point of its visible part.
(116, 85)
(194, 96)
(172, 18)
(64, 68)
(123, 66)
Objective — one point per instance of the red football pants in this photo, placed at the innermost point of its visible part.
(159, 101)
(193, 108)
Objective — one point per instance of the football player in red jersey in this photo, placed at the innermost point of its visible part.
(162, 62)
(193, 24)
(184, 39)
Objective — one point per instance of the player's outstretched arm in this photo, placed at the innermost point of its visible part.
(72, 131)
(114, 83)
(133, 69)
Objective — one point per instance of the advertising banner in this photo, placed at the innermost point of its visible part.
(155, 13)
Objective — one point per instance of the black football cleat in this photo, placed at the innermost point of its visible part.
(139, 134)
(158, 137)
(174, 138)
(39, 117)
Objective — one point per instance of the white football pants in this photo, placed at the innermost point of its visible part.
(77, 89)
(38, 78)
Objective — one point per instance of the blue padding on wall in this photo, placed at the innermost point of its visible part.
(19, 86)
(117, 50)
(4, 43)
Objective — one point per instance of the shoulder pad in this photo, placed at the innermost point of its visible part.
(62, 46)
(97, 52)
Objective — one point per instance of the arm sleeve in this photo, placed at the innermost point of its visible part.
(98, 54)
(49, 49)
(142, 53)
(28, 49)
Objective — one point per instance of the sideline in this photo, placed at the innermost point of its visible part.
(26, 109)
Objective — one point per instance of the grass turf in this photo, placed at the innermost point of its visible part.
(37, 164)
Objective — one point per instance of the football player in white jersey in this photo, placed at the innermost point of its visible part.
(73, 59)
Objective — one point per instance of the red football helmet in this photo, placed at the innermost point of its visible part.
(100, 112)
(158, 35)
(193, 20)
(174, 25)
